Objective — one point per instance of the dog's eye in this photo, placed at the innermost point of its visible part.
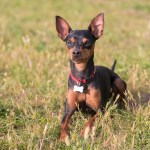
(69, 43)
(87, 44)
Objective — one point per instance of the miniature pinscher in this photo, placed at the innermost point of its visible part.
(89, 86)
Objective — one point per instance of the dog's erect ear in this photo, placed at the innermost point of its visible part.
(97, 25)
(62, 27)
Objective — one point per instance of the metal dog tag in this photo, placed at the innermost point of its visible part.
(78, 88)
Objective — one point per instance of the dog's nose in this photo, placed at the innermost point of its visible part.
(76, 53)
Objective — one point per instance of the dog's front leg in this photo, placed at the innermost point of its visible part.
(88, 127)
(93, 100)
(70, 109)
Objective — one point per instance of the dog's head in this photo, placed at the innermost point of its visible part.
(80, 43)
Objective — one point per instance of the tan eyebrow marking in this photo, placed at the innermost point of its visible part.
(84, 40)
(72, 40)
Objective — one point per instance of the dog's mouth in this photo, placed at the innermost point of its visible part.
(77, 60)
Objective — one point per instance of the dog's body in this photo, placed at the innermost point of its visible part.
(89, 86)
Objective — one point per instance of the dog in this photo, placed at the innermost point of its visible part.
(89, 87)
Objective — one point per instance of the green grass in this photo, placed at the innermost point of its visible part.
(34, 68)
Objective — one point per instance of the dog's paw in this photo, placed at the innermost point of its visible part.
(64, 138)
(88, 131)
(85, 132)
(67, 140)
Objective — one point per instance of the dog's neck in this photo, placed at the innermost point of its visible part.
(86, 72)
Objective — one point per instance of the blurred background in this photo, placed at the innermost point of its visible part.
(30, 25)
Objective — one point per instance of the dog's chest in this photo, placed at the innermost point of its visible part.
(92, 97)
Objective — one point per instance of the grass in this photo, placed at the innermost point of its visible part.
(34, 68)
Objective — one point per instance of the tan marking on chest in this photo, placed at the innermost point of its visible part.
(74, 98)
(71, 98)
(93, 98)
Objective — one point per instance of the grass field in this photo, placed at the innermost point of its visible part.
(34, 68)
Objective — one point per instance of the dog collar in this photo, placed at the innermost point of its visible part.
(83, 80)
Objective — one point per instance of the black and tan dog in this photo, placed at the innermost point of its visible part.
(89, 86)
